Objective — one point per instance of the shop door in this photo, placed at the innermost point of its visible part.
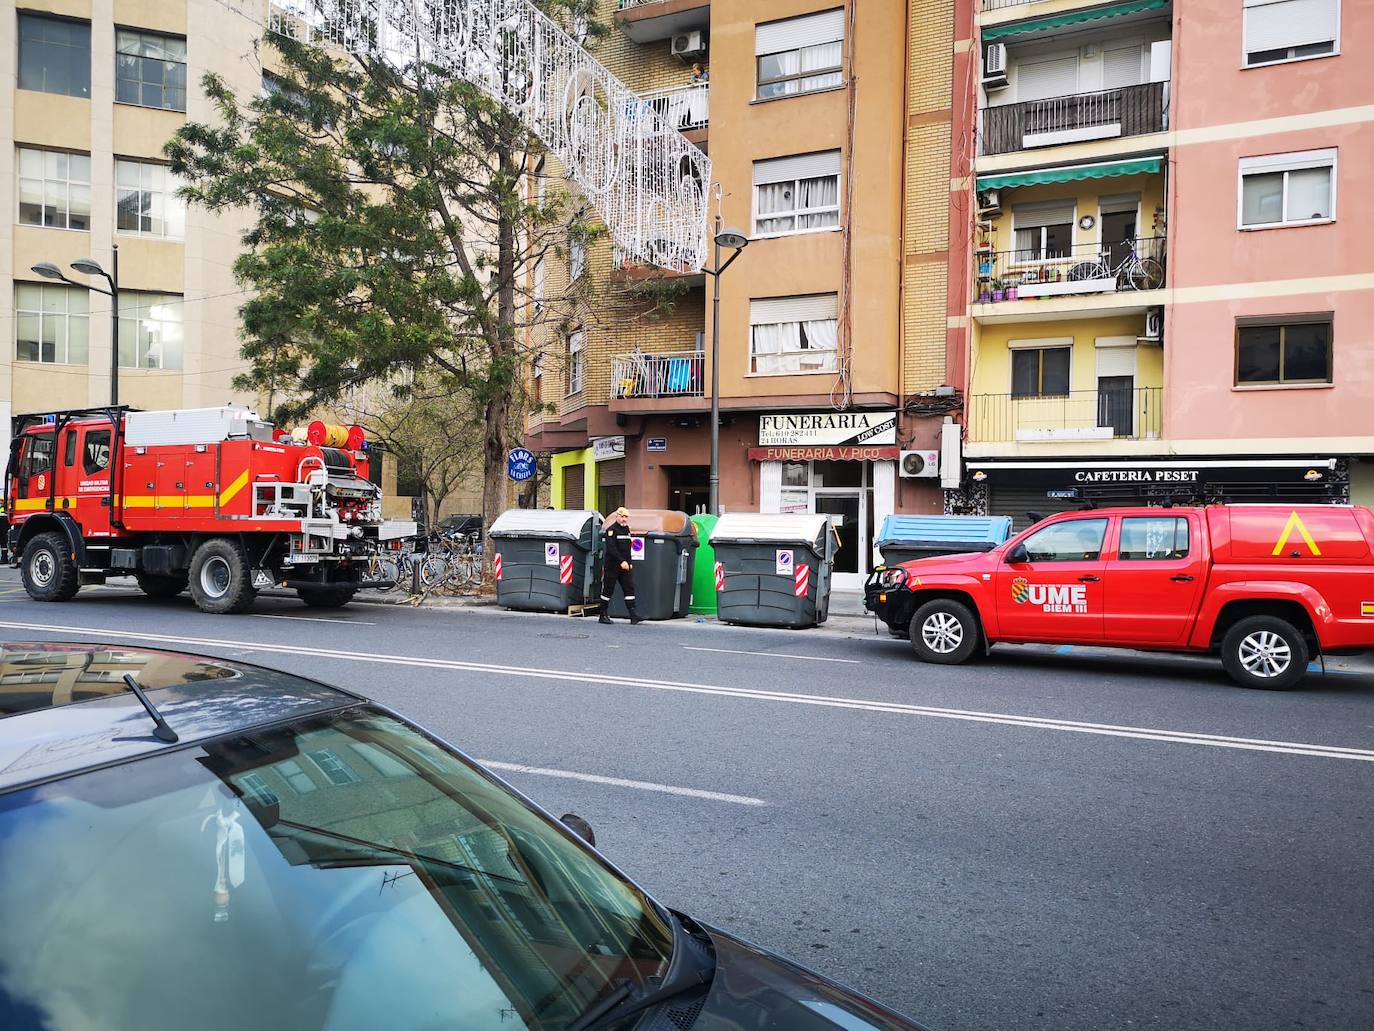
(848, 512)
(689, 488)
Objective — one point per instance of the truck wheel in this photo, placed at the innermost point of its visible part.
(158, 585)
(944, 631)
(331, 597)
(48, 570)
(221, 580)
(1264, 652)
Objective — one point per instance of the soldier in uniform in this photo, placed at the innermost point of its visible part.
(617, 566)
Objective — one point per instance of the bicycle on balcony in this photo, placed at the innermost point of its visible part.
(1133, 272)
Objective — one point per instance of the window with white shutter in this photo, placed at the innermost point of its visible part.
(790, 335)
(1290, 30)
(1122, 66)
(1288, 189)
(797, 194)
(800, 55)
(1045, 77)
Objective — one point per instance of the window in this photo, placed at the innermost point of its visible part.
(1076, 540)
(576, 342)
(1290, 30)
(69, 451)
(1043, 231)
(51, 324)
(258, 789)
(1152, 538)
(338, 771)
(150, 335)
(1291, 351)
(146, 200)
(296, 777)
(54, 55)
(794, 334)
(537, 380)
(54, 189)
(796, 194)
(577, 257)
(800, 55)
(96, 453)
(150, 69)
(1288, 189)
(1040, 371)
(37, 456)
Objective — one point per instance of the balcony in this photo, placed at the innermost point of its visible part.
(682, 108)
(1130, 413)
(1106, 114)
(666, 374)
(1130, 266)
(648, 21)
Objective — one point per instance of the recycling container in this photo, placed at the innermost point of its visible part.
(546, 559)
(662, 549)
(704, 576)
(773, 570)
(902, 538)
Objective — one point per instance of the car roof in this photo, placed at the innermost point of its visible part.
(64, 707)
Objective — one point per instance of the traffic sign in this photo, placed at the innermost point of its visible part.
(637, 549)
(520, 464)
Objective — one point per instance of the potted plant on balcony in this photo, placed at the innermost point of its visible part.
(999, 290)
(984, 291)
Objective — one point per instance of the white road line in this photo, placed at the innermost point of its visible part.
(770, 655)
(620, 782)
(313, 619)
(752, 694)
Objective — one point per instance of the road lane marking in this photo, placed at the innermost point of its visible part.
(752, 694)
(770, 655)
(621, 782)
(312, 619)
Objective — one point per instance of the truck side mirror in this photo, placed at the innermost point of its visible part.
(1017, 554)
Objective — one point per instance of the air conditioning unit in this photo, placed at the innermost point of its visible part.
(920, 464)
(1154, 325)
(995, 66)
(689, 45)
(989, 202)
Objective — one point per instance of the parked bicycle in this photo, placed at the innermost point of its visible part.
(1133, 272)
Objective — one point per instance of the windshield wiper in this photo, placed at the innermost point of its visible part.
(694, 970)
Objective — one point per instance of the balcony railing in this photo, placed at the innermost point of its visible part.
(1127, 412)
(1106, 114)
(988, 5)
(682, 107)
(1062, 271)
(664, 374)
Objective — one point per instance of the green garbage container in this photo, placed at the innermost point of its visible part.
(662, 550)
(773, 570)
(546, 560)
(704, 577)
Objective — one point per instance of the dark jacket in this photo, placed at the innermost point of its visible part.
(617, 544)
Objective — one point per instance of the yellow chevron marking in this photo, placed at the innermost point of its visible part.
(1295, 523)
(227, 495)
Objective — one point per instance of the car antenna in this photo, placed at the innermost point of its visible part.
(160, 729)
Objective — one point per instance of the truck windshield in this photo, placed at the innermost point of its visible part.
(340, 873)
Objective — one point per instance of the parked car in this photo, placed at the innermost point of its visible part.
(193, 842)
(461, 525)
(1268, 587)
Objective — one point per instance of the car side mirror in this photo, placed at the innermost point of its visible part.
(580, 827)
(1018, 553)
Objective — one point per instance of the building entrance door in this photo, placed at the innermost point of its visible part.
(849, 515)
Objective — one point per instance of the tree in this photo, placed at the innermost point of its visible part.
(394, 233)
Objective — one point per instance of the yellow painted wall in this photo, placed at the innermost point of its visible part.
(1086, 195)
(992, 356)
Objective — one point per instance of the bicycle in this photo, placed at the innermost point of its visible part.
(1134, 272)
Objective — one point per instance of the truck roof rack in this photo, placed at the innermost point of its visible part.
(24, 420)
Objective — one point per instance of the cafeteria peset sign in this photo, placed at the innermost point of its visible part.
(1136, 476)
(828, 429)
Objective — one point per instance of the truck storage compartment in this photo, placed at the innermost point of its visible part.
(1287, 533)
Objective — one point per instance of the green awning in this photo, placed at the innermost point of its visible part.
(1058, 21)
(1070, 173)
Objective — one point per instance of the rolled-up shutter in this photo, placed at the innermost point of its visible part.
(770, 487)
(794, 33)
(611, 473)
(575, 487)
(1044, 78)
(1280, 24)
(765, 311)
(800, 166)
(1046, 213)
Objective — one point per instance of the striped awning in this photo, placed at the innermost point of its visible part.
(1059, 21)
(1071, 173)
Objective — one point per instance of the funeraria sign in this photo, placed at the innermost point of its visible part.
(828, 429)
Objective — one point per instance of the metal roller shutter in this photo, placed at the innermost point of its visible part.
(765, 311)
(575, 487)
(799, 166)
(1016, 501)
(793, 33)
(611, 473)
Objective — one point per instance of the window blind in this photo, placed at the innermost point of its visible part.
(802, 166)
(1279, 24)
(1039, 80)
(765, 311)
(793, 33)
(1122, 66)
(1046, 213)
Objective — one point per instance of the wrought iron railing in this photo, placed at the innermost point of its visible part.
(1052, 271)
(1105, 114)
(662, 374)
(993, 5)
(1127, 412)
(682, 107)
(625, 5)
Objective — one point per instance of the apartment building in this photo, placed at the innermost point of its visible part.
(93, 89)
(802, 112)
(1164, 300)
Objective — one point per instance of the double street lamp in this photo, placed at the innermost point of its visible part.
(91, 267)
(735, 241)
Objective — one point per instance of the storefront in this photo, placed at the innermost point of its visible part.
(1023, 490)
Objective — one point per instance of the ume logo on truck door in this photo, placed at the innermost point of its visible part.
(1072, 598)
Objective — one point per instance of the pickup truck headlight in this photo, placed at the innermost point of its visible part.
(890, 578)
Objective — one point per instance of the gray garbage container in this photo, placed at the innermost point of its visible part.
(546, 560)
(662, 549)
(902, 538)
(773, 570)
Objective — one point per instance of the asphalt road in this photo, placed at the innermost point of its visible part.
(1039, 840)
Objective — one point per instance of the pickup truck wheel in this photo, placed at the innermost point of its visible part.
(1264, 652)
(944, 631)
(332, 597)
(158, 585)
(48, 570)
(221, 580)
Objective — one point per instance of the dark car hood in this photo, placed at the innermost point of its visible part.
(755, 990)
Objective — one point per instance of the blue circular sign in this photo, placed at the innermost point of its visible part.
(520, 464)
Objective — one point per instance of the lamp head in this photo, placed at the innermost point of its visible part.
(733, 239)
(47, 270)
(88, 267)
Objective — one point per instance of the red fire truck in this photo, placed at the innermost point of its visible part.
(210, 498)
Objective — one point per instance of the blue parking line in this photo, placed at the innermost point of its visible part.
(1315, 667)
(1063, 649)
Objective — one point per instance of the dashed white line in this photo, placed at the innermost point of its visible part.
(770, 655)
(621, 782)
(312, 619)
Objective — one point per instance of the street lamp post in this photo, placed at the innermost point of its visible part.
(90, 267)
(736, 241)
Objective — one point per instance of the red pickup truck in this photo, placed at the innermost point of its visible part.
(1266, 586)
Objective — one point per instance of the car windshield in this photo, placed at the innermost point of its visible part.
(338, 873)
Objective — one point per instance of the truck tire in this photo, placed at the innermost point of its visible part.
(332, 596)
(48, 570)
(944, 631)
(221, 579)
(158, 585)
(1265, 652)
